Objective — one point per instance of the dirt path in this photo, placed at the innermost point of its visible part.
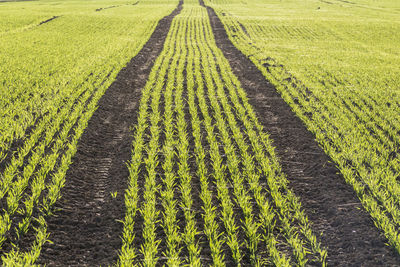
(331, 204)
(85, 231)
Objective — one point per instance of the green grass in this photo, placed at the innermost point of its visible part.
(335, 63)
(51, 79)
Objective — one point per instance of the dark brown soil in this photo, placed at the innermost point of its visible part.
(48, 20)
(104, 8)
(86, 230)
(331, 205)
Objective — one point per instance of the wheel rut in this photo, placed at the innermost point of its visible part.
(85, 229)
(48, 20)
(331, 205)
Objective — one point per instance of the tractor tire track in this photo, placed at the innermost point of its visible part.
(331, 205)
(86, 229)
(48, 20)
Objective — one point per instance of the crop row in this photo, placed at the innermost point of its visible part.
(205, 183)
(46, 101)
(352, 112)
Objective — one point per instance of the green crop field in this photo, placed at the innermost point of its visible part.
(191, 43)
(52, 76)
(206, 179)
(335, 63)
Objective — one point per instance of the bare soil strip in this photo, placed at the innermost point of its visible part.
(331, 205)
(48, 20)
(86, 230)
(104, 8)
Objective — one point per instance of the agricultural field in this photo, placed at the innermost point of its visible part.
(223, 132)
(334, 63)
(57, 60)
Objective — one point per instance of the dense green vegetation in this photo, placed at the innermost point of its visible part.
(207, 134)
(53, 72)
(336, 64)
(205, 185)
